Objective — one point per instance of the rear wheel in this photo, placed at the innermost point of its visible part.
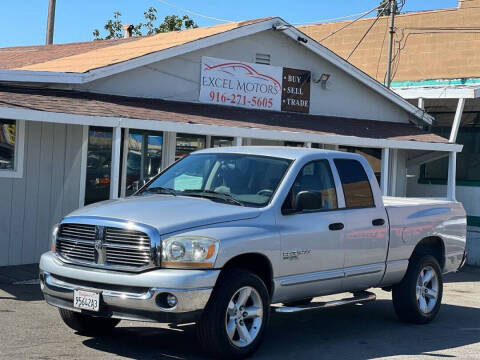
(233, 323)
(418, 297)
(86, 324)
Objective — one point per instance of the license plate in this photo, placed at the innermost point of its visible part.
(86, 300)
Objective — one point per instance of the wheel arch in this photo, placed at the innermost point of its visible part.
(431, 245)
(257, 263)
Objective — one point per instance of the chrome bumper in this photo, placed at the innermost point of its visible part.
(128, 296)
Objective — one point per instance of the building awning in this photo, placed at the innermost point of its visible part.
(74, 107)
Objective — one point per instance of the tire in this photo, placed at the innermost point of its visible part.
(233, 286)
(86, 324)
(415, 300)
(298, 302)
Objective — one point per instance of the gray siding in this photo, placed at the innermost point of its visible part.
(48, 190)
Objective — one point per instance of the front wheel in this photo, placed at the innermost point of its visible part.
(86, 324)
(418, 297)
(233, 323)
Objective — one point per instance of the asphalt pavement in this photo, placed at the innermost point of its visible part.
(31, 329)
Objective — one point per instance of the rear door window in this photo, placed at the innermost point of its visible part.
(355, 184)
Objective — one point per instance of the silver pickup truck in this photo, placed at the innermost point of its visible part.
(224, 233)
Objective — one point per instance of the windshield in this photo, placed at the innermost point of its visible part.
(240, 179)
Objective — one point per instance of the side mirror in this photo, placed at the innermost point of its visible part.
(308, 200)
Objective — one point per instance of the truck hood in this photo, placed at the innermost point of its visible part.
(168, 213)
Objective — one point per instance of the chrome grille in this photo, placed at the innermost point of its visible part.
(104, 246)
(127, 247)
(78, 231)
(76, 242)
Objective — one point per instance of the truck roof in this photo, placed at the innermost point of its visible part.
(274, 151)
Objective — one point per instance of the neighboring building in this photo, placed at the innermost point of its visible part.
(91, 121)
(436, 64)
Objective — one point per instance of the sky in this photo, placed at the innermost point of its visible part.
(23, 22)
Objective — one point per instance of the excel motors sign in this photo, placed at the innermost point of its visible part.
(255, 86)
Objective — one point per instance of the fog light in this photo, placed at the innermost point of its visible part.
(171, 300)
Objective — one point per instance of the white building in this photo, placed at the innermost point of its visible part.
(87, 122)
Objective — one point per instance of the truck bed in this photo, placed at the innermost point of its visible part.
(413, 219)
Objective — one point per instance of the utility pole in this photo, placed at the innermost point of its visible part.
(393, 5)
(50, 22)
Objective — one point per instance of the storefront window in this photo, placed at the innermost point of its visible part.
(468, 161)
(99, 161)
(187, 143)
(7, 144)
(217, 141)
(144, 158)
(294, 144)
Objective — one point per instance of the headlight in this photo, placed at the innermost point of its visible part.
(53, 237)
(189, 252)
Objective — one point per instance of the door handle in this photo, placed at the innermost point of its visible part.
(336, 226)
(378, 222)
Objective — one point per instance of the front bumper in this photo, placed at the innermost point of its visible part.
(129, 296)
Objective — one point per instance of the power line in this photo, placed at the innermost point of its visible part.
(193, 12)
(333, 19)
(366, 33)
(350, 23)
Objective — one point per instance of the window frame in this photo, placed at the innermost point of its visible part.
(286, 212)
(343, 188)
(19, 152)
(423, 179)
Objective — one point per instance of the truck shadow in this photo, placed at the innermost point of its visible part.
(351, 332)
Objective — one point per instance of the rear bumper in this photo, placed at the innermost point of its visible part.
(129, 296)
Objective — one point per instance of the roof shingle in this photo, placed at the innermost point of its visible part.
(83, 57)
(81, 103)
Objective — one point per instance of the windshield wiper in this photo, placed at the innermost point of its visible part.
(217, 195)
(160, 190)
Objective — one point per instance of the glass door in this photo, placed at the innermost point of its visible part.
(144, 158)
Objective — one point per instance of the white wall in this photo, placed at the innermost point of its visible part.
(179, 78)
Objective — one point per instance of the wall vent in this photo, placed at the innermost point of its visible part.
(262, 59)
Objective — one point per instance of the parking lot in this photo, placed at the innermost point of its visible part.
(30, 329)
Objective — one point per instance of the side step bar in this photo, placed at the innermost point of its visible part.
(358, 297)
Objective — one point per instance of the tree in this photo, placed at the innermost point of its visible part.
(114, 27)
(384, 8)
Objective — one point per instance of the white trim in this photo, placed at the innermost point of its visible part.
(115, 165)
(19, 152)
(452, 173)
(123, 180)
(41, 76)
(238, 141)
(457, 120)
(393, 176)
(438, 92)
(83, 166)
(217, 130)
(242, 31)
(385, 171)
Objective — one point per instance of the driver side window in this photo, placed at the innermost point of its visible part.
(315, 178)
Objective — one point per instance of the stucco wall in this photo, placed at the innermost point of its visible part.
(179, 78)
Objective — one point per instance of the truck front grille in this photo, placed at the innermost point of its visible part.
(127, 247)
(104, 245)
